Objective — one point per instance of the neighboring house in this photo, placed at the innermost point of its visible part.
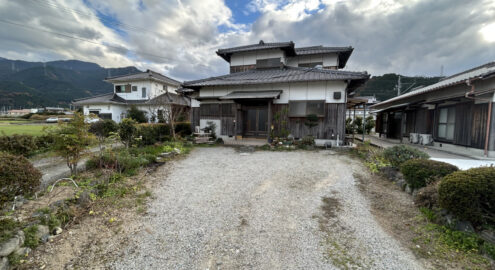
(456, 113)
(19, 112)
(149, 91)
(272, 87)
(359, 109)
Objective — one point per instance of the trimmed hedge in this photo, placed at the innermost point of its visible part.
(470, 194)
(419, 173)
(183, 128)
(17, 177)
(153, 133)
(25, 145)
(401, 153)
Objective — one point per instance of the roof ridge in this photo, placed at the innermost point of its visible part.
(489, 64)
(100, 95)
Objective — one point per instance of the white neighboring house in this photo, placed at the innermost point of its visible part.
(149, 91)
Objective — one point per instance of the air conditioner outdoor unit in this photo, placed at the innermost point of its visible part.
(425, 139)
(414, 137)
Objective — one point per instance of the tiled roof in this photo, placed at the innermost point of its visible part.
(482, 71)
(343, 52)
(287, 46)
(148, 75)
(111, 98)
(278, 75)
(269, 94)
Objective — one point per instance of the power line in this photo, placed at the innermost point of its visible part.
(83, 39)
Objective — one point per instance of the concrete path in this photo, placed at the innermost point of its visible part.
(463, 162)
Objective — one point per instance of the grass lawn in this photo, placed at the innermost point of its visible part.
(10, 129)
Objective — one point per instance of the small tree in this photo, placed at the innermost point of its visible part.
(370, 124)
(127, 131)
(358, 123)
(71, 140)
(311, 122)
(173, 115)
(137, 115)
(103, 130)
(211, 127)
(350, 128)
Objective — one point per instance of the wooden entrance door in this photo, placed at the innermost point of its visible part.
(256, 121)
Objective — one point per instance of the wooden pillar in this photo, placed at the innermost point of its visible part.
(402, 125)
(269, 119)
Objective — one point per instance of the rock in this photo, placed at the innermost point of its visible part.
(57, 231)
(20, 235)
(23, 251)
(59, 204)
(4, 263)
(415, 192)
(408, 189)
(464, 226)
(165, 154)
(390, 172)
(84, 199)
(9, 246)
(488, 236)
(43, 233)
(401, 183)
(177, 150)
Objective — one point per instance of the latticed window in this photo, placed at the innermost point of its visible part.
(304, 108)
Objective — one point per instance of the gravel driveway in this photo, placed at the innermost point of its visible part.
(221, 209)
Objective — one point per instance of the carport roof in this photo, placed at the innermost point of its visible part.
(270, 94)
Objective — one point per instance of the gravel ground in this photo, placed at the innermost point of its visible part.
(221, 209)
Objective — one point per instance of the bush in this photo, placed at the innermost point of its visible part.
(103, 128)
(183, 128)
(427, 197)
(137, 115)
(470, 194)
(121, 161)
(308, 140)
(401, 153)
(153, 133)
(17, 177)
(127, 131)
(18, 144)
(419, 173)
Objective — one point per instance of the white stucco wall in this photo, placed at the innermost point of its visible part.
(249, 58)
(321, 90)
(153, 89)
(328, 60)
(117, 111)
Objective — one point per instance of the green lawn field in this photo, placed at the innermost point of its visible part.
(12, 127)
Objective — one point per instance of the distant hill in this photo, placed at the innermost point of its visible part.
(384, 87)
(57, 83)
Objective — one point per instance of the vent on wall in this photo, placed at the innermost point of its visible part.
(269, 63)
(337, 95)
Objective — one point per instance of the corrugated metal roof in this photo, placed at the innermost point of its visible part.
(269, 94)
(278, 75)
(148, 75)
(112, 98)
(474, 73)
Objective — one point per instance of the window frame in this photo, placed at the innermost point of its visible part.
(134, 88)
(306, 112)
(447, 123)
(144, 93)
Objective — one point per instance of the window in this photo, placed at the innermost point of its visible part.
(134, 88)
(105, 116)
(165, 88)
(127, 88)
(310, 65)
(118, 89)
(94, 112)
(304, 108)
(143, 92)
(446, 123)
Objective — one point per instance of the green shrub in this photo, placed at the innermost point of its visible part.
(419, 173)
(127, 131)
(470, 194)
(17, 177)
(45, 141)
(31, 241)
(308, 140)
(121, 161)
(18, 144)
(103, 128)
(401, 153)
(137, 115)
(183, 128)
(153, 133)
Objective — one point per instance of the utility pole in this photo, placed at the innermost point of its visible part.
(398, 86)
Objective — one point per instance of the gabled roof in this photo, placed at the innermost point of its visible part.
(281, 75)
(343, 52)
(288, 47)
(480, 72)
(148, 75)
(112, 98)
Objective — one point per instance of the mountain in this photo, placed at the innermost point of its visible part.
(384, 87)
(56, 83)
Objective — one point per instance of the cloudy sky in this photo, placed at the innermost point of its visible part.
(180, 37)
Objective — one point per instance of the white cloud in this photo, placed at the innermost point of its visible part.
(412, 37)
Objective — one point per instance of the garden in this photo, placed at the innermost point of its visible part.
(113, 177)
(458, 207)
